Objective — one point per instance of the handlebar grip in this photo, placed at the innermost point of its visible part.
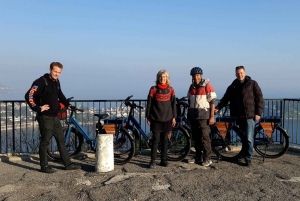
(75, 108)
(183, 98)
(129, 97)
(141, 107)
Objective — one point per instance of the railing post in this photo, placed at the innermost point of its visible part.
(13, 125)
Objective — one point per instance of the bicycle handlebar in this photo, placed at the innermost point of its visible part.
(129, 97)
(70, 98)
(127, 103)
(182, 101)
(73, 108)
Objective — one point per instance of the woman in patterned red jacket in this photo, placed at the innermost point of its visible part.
(161, 114)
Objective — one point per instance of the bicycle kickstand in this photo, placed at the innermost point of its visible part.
(264, 156)
(219, 157)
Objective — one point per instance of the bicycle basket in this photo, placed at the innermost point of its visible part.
(62, 114)
(110, 128)
(111, 125)
(222, 127)
(268, 128)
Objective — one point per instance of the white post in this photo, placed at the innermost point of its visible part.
(105, 153)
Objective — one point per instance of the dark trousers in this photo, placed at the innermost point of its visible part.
(200, 131)
(156, 138)
(51, 126)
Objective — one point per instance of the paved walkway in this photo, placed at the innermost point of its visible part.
(274, 179)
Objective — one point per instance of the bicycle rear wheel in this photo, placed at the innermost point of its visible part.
(274, 146)
(73, 146)
(179, 144)
(124, 147)
(230, 147)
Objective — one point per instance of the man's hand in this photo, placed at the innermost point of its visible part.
(44, 108)
(257, 118)
(149, 122)
(216, 110)
(211, 120)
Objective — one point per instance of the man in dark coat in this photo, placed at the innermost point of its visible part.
(43, 97)
(246, 103)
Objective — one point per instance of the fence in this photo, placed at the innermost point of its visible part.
(20, 133)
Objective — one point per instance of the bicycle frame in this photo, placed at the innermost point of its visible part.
(135, 123)
(86, 136)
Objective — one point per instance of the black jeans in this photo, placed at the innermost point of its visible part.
(200, 131)
(51, 126)
(156, 138)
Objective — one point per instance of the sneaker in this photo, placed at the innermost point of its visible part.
(152, 164)
(191, 160)
(164, 163)
(73, 167)
(206, 163)
(48, 170)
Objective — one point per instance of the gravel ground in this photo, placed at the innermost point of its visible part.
(274, 179)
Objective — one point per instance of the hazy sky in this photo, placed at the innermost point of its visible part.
(112, 49)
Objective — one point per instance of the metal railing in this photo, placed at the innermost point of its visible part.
(20, 133)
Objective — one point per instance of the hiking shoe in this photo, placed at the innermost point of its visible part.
(248, 163)
(206, 163)
(199, 160)
(164, 163)
(152, 164)
(195, 160)
(73, 167)
(48, 170)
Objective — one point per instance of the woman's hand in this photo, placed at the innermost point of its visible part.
(173, 122)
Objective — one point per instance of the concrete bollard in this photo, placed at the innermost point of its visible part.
(105, 153)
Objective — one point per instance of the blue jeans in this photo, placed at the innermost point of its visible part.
(248, 126)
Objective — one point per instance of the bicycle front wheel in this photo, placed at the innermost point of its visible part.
(229, 147)
(124, 147)
(73, 146)
(179, 144)
(272, 146)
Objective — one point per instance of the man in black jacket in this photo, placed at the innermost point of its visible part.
(246, 103)
(43, 97)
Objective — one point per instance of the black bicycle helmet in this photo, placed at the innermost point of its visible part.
(196, 70)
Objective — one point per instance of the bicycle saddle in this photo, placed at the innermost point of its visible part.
(101, 116)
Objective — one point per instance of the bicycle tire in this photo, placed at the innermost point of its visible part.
(73, 147)
(179, 144)
(124, 147)
(231, 146)
(272, 147)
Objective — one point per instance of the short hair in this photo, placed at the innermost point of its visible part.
(239, 67)
(59, 65)
(163, 72)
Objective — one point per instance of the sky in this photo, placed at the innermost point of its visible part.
(113, 49)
